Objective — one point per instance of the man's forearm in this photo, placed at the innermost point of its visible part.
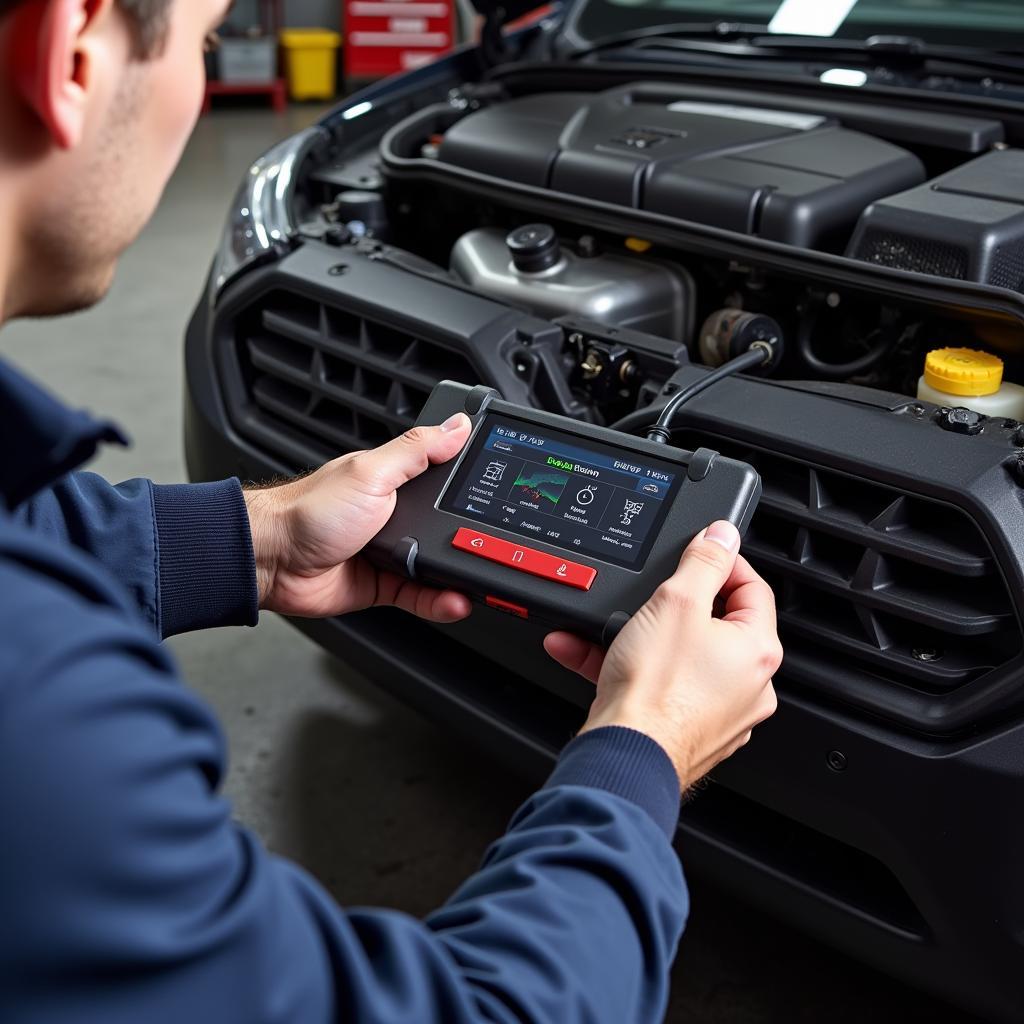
(573, 917)
(577, 910)
(183, 551)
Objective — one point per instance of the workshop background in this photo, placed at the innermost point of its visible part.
(382, 806)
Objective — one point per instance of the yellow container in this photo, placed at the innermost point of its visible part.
(309, 60)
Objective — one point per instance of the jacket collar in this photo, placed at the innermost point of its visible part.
(41, 439)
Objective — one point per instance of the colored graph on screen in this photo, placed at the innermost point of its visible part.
(539, 486)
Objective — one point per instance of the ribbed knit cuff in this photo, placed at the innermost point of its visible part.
(205, 557)
(627, 763)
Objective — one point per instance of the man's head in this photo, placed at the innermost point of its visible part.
(97, 99)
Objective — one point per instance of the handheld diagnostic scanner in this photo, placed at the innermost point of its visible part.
(553, 519)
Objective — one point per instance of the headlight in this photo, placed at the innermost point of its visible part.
(260, 222)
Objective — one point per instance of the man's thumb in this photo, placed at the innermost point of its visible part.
(708, 561)
(386, 468)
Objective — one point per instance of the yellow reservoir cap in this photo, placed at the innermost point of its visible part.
(963, 371)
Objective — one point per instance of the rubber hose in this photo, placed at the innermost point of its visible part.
(836, 371)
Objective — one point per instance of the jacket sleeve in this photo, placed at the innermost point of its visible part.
(184, 551)
(129, 894)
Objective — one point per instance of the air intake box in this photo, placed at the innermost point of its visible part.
(790, 177)
(966, 224)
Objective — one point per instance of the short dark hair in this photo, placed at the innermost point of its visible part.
(149, 20)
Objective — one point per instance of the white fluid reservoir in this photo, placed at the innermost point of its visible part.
(972, 379)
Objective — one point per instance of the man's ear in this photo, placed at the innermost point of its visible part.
(52, 67)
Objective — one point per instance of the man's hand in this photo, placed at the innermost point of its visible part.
(695, 683)
(307, 533)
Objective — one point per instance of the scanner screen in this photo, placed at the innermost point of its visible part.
(563, 490)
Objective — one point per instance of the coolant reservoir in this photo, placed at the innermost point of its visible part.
(528, 268)
(972, 379)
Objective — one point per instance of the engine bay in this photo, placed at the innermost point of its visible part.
(696, 224)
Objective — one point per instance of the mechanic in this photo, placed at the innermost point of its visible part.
(128, 894)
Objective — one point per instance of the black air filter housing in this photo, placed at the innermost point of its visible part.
(967, 224)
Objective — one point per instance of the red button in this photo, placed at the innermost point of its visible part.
(506, 606)
(516, 556)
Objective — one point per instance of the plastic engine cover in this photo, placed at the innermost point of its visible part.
(790, 177)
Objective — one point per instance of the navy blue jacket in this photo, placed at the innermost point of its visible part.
(127, 893)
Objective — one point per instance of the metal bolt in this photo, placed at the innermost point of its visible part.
(592, 365)
(926, 654)
(338, 269)
(832, 300)
(836, 760)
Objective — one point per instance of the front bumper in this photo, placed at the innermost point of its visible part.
(908, 858)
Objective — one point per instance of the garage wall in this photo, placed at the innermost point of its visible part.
(301, 13)
(313, 13)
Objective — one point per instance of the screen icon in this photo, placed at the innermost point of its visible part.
(585, 496)
(494, 472)
(630, 509)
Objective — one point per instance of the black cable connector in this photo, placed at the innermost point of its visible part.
(760, 353)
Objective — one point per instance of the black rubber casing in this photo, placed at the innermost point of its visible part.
(417, 540)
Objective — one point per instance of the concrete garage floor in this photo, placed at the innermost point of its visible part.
(381, 805)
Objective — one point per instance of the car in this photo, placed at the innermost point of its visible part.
(586, 212)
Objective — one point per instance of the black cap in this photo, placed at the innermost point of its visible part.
(368, 207)
(960, 420)
(534, 247)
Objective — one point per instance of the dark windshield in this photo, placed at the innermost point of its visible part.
(995, 24)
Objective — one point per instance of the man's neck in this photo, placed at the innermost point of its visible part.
(13, 257)
(8, 239)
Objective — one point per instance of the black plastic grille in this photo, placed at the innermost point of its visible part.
(1007, 267)
(334, 380)
(900, 589)
(907, 252)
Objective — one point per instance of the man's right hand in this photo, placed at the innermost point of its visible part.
(696, 683)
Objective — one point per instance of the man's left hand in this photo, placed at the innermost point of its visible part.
(307, 533)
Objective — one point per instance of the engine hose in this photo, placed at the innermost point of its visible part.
(837, 371)
(645, 419)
